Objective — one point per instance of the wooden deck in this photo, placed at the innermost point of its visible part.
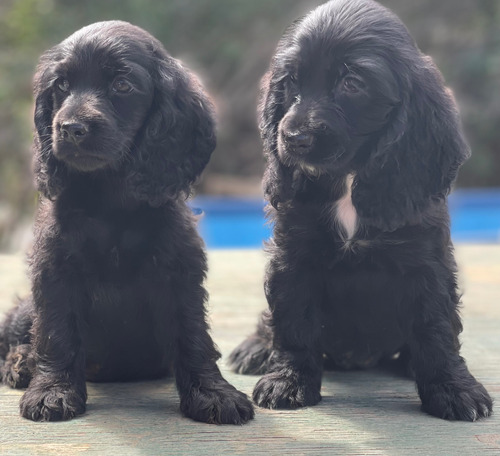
(362, 413)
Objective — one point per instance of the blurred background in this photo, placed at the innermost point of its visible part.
(228, 43)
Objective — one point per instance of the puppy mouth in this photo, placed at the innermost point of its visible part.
(321, 156)
(81, 159)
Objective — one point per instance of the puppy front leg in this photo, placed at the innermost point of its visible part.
(446, 387)
(296, 365)
(205, 395)
(57, 390)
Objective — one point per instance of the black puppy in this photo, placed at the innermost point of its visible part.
(122, 131)
(362, 142)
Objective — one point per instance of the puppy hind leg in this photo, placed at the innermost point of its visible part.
(16, 371)
(15, 347)
(16, 325)
(253, 355)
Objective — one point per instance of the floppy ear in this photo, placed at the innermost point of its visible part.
(178, 136)
(277, 180)
(280, 182)
(417, 160)
(50, 174)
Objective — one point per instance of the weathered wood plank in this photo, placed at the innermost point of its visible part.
(362, 413)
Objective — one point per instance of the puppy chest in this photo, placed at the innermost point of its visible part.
(122, 251)
(104, 245)
(343, 216)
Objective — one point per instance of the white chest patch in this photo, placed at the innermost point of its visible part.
(344, 212)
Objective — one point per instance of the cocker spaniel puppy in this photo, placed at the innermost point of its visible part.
(122, 131)
(363, 142)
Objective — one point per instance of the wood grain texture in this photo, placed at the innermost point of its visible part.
(362, 413)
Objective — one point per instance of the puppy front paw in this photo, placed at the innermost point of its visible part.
(452, 402)
(220, 403)
(53, 403)
(277, 390)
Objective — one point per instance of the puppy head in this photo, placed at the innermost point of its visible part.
(335, 100)
(331, 88)
(349, 92)
(109, 97)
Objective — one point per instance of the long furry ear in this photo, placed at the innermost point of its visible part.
(50, 175)
(280, 182)
(417, 159)
(178, 136)
(276, 180)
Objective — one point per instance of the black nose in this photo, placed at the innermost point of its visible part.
(74, 132)
(299, 141)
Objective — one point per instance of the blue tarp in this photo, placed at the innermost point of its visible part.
(240, 222)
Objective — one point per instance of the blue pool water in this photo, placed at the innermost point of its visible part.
(475, 215)
(240, 222)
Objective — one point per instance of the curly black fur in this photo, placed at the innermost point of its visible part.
(122, 131)
(363, 142)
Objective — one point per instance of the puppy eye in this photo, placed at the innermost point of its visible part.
(352, 85)
(121, 85)
(62, 84)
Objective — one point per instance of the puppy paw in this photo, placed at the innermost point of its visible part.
(55, 403)
(218, 404)
(250, 357)
(280, 391)
(15, 372)
(451, 402)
